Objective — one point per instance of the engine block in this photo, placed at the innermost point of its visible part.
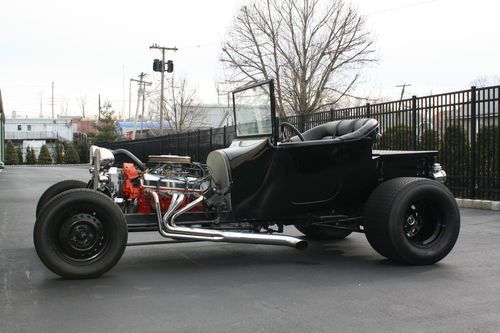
(127, 185)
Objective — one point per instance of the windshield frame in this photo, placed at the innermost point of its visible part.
(272, 104)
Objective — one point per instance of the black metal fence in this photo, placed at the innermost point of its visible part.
(464, 126)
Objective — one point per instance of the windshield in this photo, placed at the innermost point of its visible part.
(252, 109)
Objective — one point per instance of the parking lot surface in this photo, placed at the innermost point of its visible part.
(341, 286)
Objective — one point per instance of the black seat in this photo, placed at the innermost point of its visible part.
(343, 130)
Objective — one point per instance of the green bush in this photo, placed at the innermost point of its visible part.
(11, 157)
(30, 156)
(454, 153)
(58, 153)
(488, 148)
(106, 128)
(44, 157)
(71, 155)
(396, 138)
(429, 140)
(19, 155)
(83, 152)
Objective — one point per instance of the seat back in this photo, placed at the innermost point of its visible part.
(343, 130)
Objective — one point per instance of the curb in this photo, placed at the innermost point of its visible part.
(479, 204)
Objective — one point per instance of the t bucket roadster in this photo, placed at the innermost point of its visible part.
(327, 182)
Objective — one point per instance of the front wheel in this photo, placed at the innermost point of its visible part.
(80, 234)
(413, 221)
(57, 188)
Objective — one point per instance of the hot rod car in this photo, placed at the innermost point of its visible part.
(328, 182)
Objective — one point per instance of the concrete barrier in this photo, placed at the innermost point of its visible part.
(478, 204)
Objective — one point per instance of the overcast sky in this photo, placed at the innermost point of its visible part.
(94, 47)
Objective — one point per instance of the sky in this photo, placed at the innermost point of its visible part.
(94, 47)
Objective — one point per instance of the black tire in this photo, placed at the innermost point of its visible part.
(57, 188)
(81, 233)
(413, 221)
(322, 233)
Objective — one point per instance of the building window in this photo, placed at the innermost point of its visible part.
(29, 127)
(19, 127)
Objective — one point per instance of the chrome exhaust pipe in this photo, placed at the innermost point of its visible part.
(168, 228)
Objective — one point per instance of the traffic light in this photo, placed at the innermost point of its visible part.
(170, 66)
(157, 65)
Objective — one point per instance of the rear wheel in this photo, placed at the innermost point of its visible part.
(80, 233)
(57, 188)
(412, 220)
(322, 232)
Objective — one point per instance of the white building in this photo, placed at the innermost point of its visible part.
(36, 132)
(19, 129)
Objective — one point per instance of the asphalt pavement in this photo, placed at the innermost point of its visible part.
(341, 286)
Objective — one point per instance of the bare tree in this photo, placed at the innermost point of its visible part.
(82, 101)
(312, 48)
(181, 109)
(64, 106)
(485, 81)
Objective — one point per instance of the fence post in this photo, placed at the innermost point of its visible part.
(302, 120)
(198, 147)
(473, 157)
(331, 114)
(414, 123)
(168, 137)
(224, 141)
(178, 145)
(161, 145)
(141, 150)
(368, 110)
(211, 140)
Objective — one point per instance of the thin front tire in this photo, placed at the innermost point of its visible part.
(80, 234)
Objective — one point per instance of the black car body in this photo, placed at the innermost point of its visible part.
(327, 181)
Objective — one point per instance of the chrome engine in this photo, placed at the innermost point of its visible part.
(127, 185)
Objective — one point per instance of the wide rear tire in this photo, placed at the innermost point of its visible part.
(80, 234)
(57, 188)
(413, 221)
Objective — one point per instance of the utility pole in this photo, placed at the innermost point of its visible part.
(142, 114)
(142, 89)
(162, 49)
(129, 98)
(52, 99)
(122, 114)
(403, 87)
(99, 111)
(41, 102)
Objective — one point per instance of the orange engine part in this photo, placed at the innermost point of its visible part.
(132, 190)
(130, 175)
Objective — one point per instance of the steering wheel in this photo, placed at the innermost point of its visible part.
(291, 127)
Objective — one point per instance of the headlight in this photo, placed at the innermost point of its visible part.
(101, 158)
(438, 173)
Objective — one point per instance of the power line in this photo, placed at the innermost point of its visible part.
(403, 88)
(142, 90)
